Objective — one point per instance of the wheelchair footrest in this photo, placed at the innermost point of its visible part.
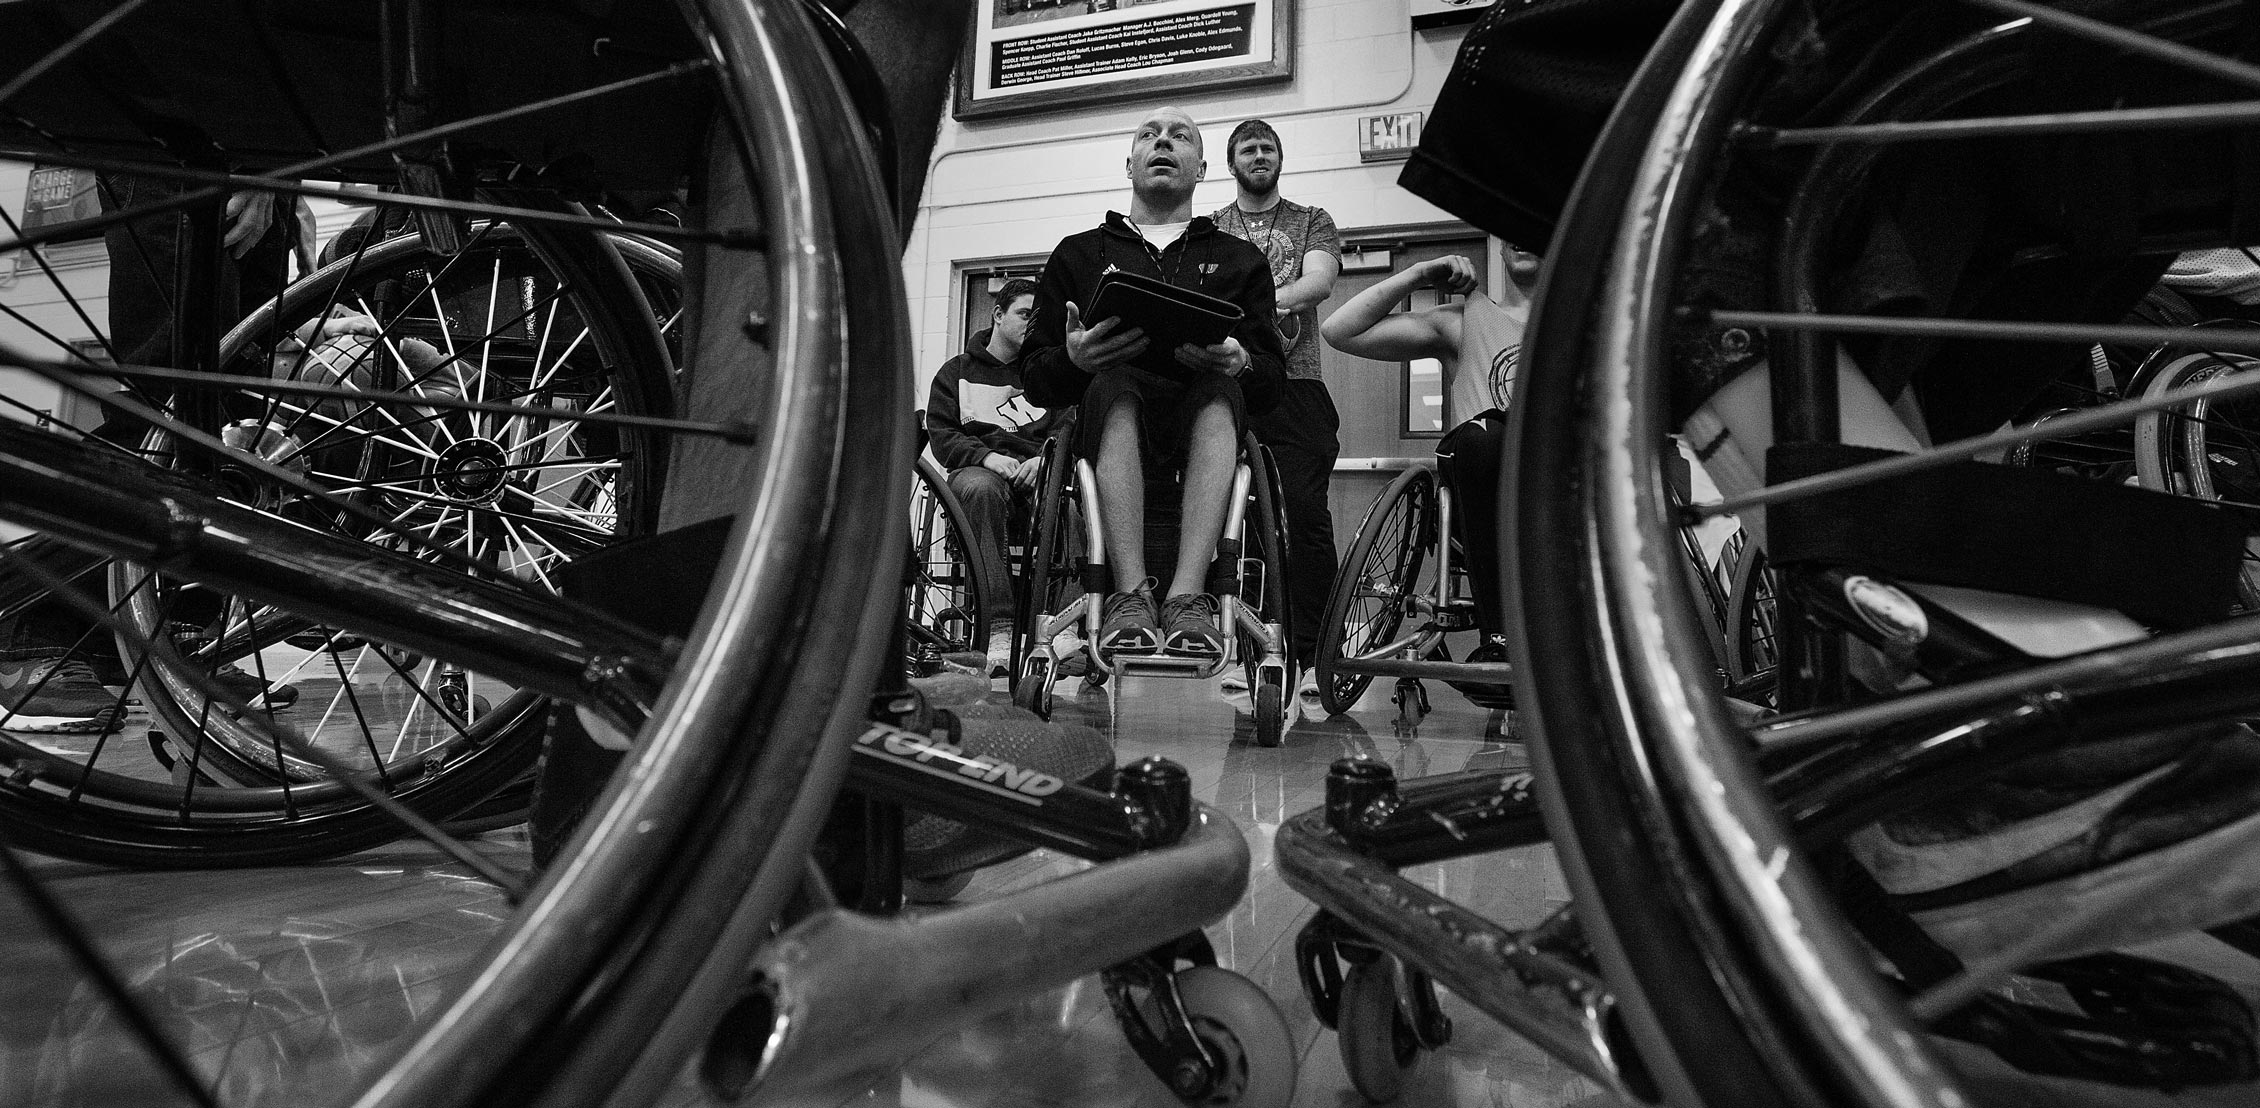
(1164, 665)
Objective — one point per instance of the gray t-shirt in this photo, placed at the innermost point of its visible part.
(1284, 234)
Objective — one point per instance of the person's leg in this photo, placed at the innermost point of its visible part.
(1127, 623)
(913, 46)
(985, 499)
(1212, 452)
(1119, 467)
(1467, 465)
(1301, 434)
(1189, 614)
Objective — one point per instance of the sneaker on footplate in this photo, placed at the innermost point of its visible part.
(1188, 626)
(1126, 624)
(49, 691)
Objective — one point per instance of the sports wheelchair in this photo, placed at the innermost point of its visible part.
(948, 618)
(1063, 585)
(1730, 940)
(403, 509)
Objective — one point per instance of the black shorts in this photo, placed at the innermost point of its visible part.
(1166, 409)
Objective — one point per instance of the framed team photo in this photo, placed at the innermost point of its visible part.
(1029, 56)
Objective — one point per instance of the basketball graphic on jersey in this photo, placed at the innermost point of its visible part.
(1503, 375)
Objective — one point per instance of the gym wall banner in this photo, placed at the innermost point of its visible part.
(1029, 56)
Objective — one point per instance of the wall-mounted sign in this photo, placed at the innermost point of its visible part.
(58, 195)
(1388, 138)
(1049, 55)
(1444, 13)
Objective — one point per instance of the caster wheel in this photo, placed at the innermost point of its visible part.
(1236, 1020)
(1412, 704)
(1377, 1043)
(940, 890)
(1034, 689)
(1271, 715)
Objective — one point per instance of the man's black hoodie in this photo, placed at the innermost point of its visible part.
(1203, 259)
(958, 442)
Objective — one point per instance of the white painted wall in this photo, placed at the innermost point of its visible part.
(1008, 188)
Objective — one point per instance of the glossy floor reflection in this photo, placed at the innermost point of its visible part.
(1067, 1050)
(288, 986)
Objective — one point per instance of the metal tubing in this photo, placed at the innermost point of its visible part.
(1561, 1008)
(1094, 534)
(1489, 672)
(926, 774)
(2190, 658)
(1236, 509)
(1443, 544)
(852, 996)
(1452, 816)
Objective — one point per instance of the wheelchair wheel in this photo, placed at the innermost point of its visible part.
(2207, 449)
(541, 319)
(1048, 572)
(946, 599)
(1386, 570)
(1751, 644)
(1735, 965)
(625, 954)
(1266, 529)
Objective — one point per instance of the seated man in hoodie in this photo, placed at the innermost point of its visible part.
(1135, 419)
(990, 438)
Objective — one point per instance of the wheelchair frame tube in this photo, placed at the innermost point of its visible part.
(842, 997)
(1451, 815)
(927, 774)
(1564, 1009)
(1094, 533)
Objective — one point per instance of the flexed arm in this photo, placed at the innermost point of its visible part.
(1367, 327)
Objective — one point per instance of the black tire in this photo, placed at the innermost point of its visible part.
(1266, 526)
(1383, 566)
(1033, 690)
(947, 568)
(1734, 968)
(672, 884)
(1752, 648)
(1270, 711)
(372, 704)
(2205, 449)
(1370, 1028)
(1047, 573)
(1683, 991)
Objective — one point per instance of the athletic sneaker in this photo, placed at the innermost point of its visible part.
(1126, 624)
(49, 691)
(1000, 652)
(1188, 620)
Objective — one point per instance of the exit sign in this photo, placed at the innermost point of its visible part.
(1388, 138)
